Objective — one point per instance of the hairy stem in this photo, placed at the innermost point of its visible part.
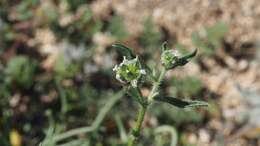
(100, 117)
(142, 109)
(136, 130)
(156, 85)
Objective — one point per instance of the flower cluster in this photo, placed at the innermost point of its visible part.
(129, 71)
(169, 57)
(132, 70)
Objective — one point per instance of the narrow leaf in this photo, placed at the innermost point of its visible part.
(191, 55)
(125, 51)
(134, 92)
(183, 60)
(181, 103)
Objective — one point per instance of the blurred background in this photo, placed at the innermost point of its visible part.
(56, 73)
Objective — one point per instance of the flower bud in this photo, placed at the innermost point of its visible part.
(129, 71)
(169, 57)
(172, 58)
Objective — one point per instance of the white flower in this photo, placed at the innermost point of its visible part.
(169, 57)
(129, 71)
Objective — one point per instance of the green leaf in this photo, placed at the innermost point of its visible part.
(191, 55)
(21, 70)
(186, 87)
(181, 103)
(183, 60)
(64, 68)
(121, 128)
(117, 29)
(199, 42)
(150, 37)
(125, 51)
(134, 92)
(217, 32)
(210, 38)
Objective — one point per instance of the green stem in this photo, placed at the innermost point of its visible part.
(100, 117)
(63, 98)
(142, 109)
(156, 85)
(136, 130)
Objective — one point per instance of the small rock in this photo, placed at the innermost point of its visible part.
(204, 136)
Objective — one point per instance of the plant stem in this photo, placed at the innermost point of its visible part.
(142, 109)
(63, 97)
(94, 126)
(136, 130)
(156, 85)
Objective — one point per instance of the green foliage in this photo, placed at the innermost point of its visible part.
(74, 4)
(183, 49)
(209, 39)
(171, 58)
(186, 87)
(116, 28)
(182, 116)
(124, 51)
(180, 103)
(166, 129)
(24, 9)
(79, 29)
(150, 38)
(168, 57)
(86, 24)
(73, 96)
(4, 92)
(121, 128)
(129, 71)
(128, 68)
(63, 68)
(168, 115)
(8, 34)
(21, 71)
(128, 53)
(52, 136)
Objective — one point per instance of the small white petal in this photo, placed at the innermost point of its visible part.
(118, 76)
(121, 64)
(134, 83)
(119, 79)
(115, 68)
(124, 59)
(176, 53)
(173, 61)
(155, 94)
(142, 71)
